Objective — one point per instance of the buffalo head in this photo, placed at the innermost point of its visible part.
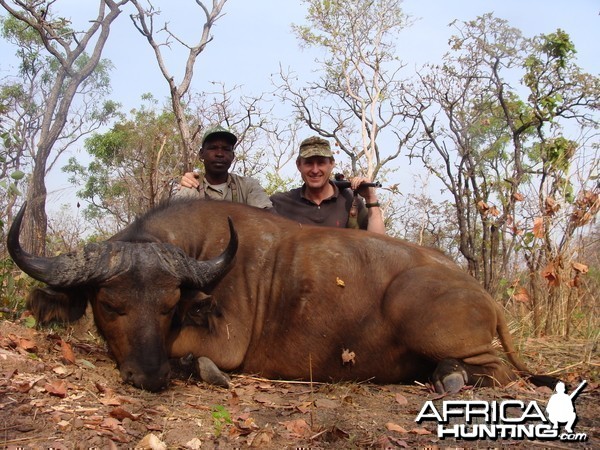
(134, 289)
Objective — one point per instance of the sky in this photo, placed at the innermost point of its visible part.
(254, 37)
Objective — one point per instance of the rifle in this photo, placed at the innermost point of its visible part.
(341, 183)
(574, 394)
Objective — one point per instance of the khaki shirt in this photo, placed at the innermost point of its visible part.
(238, 189)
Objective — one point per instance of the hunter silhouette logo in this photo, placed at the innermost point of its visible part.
(508, 419)
(560, 407)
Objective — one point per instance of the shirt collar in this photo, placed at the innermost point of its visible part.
(336, 192)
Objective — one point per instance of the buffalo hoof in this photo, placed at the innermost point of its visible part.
(449, 377)
(210, 373)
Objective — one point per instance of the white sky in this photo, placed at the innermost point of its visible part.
(254, 38)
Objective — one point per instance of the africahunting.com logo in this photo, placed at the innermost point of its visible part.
(508, 419)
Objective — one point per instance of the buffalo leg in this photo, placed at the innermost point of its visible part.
(210, 373)
(449, 376)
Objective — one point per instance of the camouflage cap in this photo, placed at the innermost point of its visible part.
(315, 146)
(219, 131)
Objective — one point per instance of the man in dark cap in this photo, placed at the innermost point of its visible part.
(320, 202)
(217, 153)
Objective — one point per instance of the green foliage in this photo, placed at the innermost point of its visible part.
(559, 47)
(221, 417)
(557, 153)
(132, 167)
(14, 286)
(277, 183)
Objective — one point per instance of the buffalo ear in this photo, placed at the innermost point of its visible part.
(48, 305)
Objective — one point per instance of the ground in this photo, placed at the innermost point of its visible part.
(61, 390)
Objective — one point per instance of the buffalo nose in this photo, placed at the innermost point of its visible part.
(152, 381)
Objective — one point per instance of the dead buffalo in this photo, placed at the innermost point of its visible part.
(288, 301)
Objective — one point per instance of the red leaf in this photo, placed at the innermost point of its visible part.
(420, 431)
(395, 427)
(549, 273)
(67, 352)
(120, 414)
(521, 295)
(298, 427)
(57, 388)
(538, 227)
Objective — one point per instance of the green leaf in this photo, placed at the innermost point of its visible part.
(29, 322)
(86, 363)
(17, 175)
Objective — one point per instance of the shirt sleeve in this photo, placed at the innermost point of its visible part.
(363, 215)
(186, 192)
(256, 195)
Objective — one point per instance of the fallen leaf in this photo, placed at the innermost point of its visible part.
(150, 441)
(60, 370)
(395, 427)
(194, 444)
(110, 423)
(298, 427)
(339, 282)
(401, 399)
(86, 363)
(110, 401)
(67, 352)
(57, 388)
(120, 414)
(260, 439)
(420, 431)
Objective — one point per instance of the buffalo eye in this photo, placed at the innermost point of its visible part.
(168, 310)
(112, 309)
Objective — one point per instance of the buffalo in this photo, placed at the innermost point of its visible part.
(256, 293)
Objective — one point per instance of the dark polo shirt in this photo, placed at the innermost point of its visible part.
(332, 212)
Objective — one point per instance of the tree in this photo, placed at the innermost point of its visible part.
(144, 23)
(493, 119)
(356, 97)
(66, 75)
(133, 166)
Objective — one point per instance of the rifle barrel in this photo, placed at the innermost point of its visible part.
(344, 184)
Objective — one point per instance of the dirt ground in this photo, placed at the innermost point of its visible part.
(63, 392)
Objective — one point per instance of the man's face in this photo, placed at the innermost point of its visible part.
(217, 154)
(315, 171)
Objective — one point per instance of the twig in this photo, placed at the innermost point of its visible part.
(565, 368)
(317, 435)
(255, 378)
(33, 439)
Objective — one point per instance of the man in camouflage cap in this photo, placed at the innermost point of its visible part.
(320, 202)
(217, 154)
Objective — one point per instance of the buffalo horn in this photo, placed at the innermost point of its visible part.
(35, 267)
(96, 261)
(201, 273)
